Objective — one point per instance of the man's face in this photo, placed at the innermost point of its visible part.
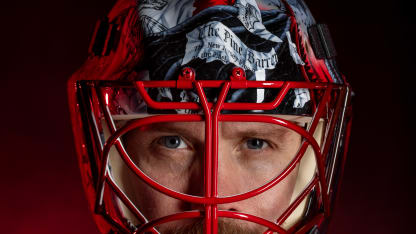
(249, 155)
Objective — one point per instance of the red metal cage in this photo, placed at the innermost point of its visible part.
(332, 106)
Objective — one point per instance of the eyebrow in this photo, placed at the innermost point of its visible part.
(182, 129)
(259, 131)
(197, 132)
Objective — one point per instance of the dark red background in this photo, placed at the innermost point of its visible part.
(43, 42)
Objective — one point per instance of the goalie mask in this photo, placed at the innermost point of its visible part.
(210, 117)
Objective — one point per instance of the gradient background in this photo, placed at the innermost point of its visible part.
(43, 42)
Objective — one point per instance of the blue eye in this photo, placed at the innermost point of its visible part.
(255, 143)
(172, 142)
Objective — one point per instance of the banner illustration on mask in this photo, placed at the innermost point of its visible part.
(214, 41)
(249, 14)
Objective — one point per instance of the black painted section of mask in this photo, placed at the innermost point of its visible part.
(321, 40)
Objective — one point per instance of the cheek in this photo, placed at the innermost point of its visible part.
(155, 204)
(150, 202)
(173, 175)
(275, 201)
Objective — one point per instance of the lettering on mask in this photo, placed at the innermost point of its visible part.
(215, 41)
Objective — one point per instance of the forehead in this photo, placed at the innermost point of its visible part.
(302, 121)
(225, 128)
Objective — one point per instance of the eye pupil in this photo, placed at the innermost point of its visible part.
(255, 143)
(172, 141)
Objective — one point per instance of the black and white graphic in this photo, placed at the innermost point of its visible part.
(293, 50)
(217, 39)
(249, 14)
(151, 26)
(166, 13)
(214, 41)
(153, 4)
(302, 97)
(271, 4)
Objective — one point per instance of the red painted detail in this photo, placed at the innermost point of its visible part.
(187, 74)
(208, 182)
(186, 79)
(238, 74)
(314, 69)
(203, 4)
(238, 78)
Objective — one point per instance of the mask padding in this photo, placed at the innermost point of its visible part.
(307, 170)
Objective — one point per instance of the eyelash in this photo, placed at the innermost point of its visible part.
(163, 140)
(267, 143)
(183, 144)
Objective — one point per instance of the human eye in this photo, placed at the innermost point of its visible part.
(172, 142)
(256, 144)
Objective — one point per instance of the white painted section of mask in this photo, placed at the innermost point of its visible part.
(249, 14)
(159, 15)
(302, 97)
(215, 41)
(293, 50)
(260, 76)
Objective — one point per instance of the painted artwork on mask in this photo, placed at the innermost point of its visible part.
(253, 35)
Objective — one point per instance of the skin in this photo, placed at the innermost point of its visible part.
(250, 155)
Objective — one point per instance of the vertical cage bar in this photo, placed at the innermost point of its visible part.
(208, 156)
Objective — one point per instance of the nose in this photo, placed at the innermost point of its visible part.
(229, 180)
